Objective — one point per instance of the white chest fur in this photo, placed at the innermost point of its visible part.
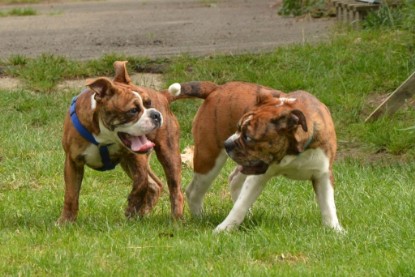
(93, 156)
(106, 137)
(310, 163)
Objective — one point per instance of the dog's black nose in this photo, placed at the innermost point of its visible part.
(155, 116)
(229, 145)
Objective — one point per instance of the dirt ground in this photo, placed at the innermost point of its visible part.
(153, 28)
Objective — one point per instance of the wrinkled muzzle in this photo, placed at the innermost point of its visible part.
(248, 166)
(134, 138)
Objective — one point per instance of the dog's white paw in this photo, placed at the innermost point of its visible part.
(337, 228)
(195, 207)
(223, 227)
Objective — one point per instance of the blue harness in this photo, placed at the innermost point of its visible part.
(103, 149)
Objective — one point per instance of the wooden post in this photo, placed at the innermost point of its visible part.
(351, 11)
(395, 100)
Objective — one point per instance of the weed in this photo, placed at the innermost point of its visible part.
(396, 16)
(317, 8)
(43, 73)
(18, 12)
(18, 60)
(22, 12)
(21, 1)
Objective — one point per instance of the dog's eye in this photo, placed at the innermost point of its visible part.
(246, 138)
(133, 111)
(147, 103)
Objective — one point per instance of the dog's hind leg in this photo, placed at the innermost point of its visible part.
(201, 183)
(324, 191)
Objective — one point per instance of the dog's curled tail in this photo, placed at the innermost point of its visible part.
(192, 89)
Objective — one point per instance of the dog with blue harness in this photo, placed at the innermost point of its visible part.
(116, 122)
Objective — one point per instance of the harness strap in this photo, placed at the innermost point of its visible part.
(105, 157)
(78, 125)
(310, 139)
(103, 149)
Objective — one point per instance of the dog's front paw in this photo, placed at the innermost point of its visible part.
(223, 227)
(66, 217)
(336, 227)
(63, 221)
(195, 210)
(339, 229)
(195, 206)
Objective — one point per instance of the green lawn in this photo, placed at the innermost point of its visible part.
(375, 181)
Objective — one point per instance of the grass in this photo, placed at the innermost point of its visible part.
(348, 74)
(283, 237)
(394, 14)
(3, 2)
(43, 73)
(19, 1)
(18, 12)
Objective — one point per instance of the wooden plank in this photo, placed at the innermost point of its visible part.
(391, 104)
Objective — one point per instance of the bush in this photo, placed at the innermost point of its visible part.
(398, 16)
(316, 8)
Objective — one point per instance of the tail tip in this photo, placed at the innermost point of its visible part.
(175, 89)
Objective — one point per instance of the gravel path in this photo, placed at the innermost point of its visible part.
(153, 28)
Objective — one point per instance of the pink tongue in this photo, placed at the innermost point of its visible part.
(141, 143)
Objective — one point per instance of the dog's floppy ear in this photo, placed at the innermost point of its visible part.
(121, 74)
(102, 87)
(290, 121)
(263, 97)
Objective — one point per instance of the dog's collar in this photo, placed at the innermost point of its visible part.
(309, 140)
(103, 149)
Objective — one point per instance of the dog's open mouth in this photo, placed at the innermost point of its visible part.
(254, 168)
(137, 144)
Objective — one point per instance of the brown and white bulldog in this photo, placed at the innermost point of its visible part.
(268, 133)
(115, 121)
